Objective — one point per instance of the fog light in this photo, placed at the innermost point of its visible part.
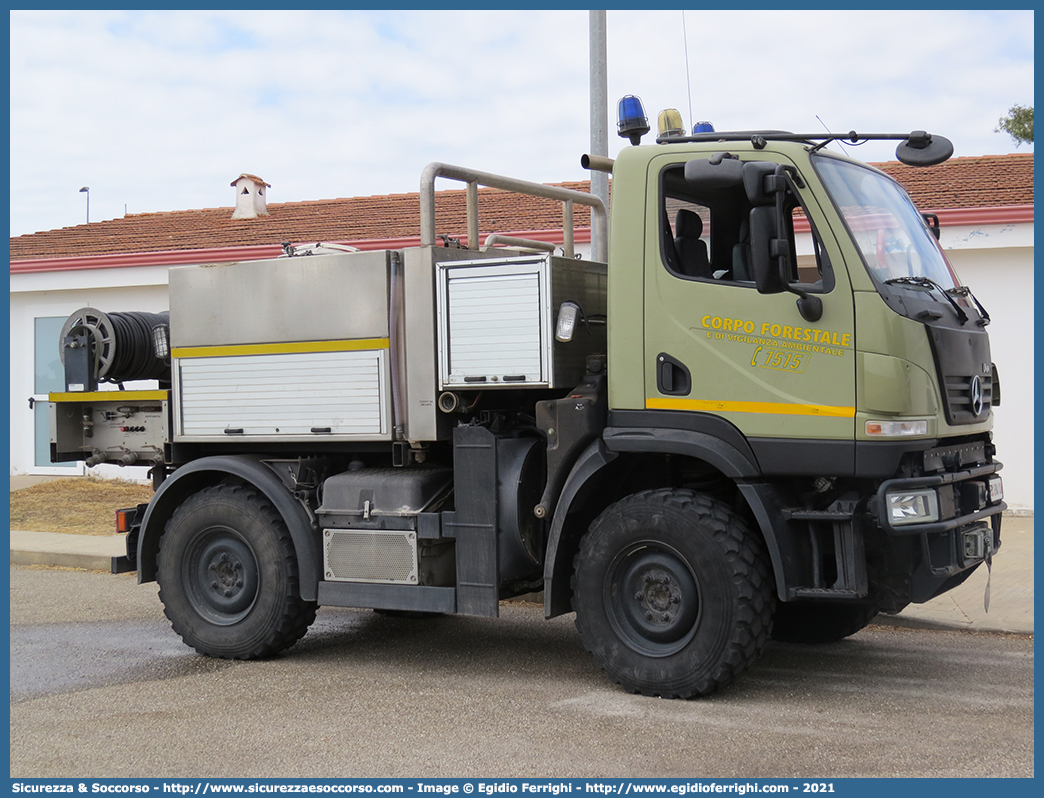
(897, 429)
(912, 507)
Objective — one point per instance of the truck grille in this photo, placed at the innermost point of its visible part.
(962, 357)
(967, 402)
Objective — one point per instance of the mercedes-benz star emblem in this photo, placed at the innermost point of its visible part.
(975, 392)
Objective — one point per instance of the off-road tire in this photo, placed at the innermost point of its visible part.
(673, 593)
(228, 575)
(808, 622)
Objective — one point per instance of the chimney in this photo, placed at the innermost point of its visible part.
(250, 197)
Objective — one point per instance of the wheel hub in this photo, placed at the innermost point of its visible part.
(222, 576)
(654, 599)
(227, 574)
(660, 597)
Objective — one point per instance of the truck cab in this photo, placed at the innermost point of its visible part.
(796, 343)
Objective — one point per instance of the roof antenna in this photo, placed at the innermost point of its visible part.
(828, 130)
(688, 82)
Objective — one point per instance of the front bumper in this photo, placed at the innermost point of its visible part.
(953, 501)
(966, 533)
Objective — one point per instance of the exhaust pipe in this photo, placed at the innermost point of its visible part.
(597, 163)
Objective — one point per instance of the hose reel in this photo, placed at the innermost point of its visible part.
(119, 347)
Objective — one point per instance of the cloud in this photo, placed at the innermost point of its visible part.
(159, 110)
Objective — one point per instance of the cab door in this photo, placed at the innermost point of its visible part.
(713, 344)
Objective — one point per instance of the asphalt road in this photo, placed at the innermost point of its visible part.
(101, 687)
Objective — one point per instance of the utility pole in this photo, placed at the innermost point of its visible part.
(599, 127)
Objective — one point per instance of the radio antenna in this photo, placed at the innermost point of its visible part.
(828, 130)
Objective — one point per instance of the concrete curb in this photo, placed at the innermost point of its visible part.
(88, 552)
(85, 562)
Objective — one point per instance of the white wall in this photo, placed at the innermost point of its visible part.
(1002, 280)
(59, 294)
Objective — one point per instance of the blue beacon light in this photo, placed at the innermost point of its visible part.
(631, 120)
(703, 127)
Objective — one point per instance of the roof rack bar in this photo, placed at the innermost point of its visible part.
(779, 135)
(475, 178)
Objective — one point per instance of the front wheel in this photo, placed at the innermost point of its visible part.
(228, 575)
(673, 593)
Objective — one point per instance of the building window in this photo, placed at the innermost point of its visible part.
(48, 377)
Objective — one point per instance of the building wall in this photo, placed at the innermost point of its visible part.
(58, 294)
(1002, 281)
(996, 261)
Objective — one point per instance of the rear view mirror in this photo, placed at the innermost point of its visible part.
(764, 250)
(771, 250)
(924, 149)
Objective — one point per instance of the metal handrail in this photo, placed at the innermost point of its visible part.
(475, 178)
(521, 243)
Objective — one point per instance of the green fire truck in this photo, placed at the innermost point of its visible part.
(767, 415)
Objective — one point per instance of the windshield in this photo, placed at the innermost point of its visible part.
(891, 234)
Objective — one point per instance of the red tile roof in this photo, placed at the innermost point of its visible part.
(341, 220)
(989, 181)
(985, 181)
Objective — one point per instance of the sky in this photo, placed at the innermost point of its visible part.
(162, 110)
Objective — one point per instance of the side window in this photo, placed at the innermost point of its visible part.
(706, 223)
(699, 229)
(812, 271)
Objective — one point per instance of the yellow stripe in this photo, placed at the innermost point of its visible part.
(108, 396)
(297, 347)
(771, 408)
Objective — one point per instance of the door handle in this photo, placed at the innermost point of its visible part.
(672, 376)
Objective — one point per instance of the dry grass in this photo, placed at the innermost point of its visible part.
(79, 505)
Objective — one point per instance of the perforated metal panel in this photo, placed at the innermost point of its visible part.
(370, 556)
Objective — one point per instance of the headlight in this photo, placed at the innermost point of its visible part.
(912, 507)
(897, 429)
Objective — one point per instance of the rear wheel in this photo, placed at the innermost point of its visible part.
(807, 622)
(228, 575)
(673, 593)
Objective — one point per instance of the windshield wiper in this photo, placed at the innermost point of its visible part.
(927, 282)
(966, 292)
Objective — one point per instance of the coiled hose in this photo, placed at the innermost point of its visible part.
(123, 349)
